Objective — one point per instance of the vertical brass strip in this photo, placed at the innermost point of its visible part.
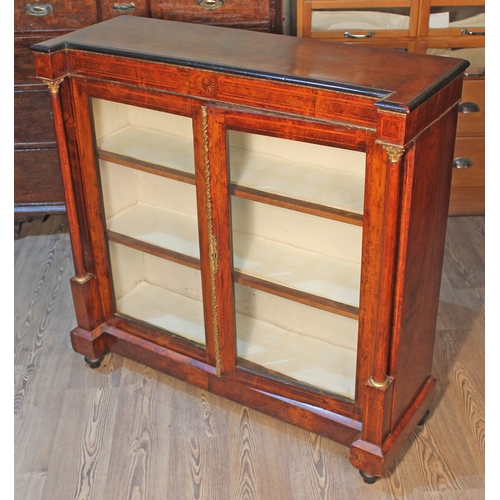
(212, 241)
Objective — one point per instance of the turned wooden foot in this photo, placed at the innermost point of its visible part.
(368, 478)
(93, 363)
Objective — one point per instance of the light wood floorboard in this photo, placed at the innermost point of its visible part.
(127, 432)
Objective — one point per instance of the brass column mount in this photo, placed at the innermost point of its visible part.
(53, 84)
(379, 385)
(82, 279)
(394, 152)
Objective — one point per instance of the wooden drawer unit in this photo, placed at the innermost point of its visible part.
(257, 15)
(363, 21)
(113, 8)
(38, 20)
(261, 216)
(447, 28)
(32, 191)
(471, 116)
(33, 122)
(452, 18)
(468, 181)
(65, 15)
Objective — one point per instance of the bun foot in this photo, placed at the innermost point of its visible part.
(93, 363)
(368, 478)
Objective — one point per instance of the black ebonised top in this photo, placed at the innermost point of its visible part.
(401, 80)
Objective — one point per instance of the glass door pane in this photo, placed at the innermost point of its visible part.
(296, 214)
(146, 166)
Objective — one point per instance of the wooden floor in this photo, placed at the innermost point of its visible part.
(124, 431)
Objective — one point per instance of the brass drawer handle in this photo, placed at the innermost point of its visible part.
(467, 32)
(481, 73)
(462, 162)
(38, 10)
(469, 107)
(370, 34)
(210, 4)
(123, 8)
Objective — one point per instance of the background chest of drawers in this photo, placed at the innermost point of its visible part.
(441, 27)
(37, 181)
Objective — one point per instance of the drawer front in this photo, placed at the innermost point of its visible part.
(469, 151)
(24, 66)
(37, 177)
(467, 187)
(112, 8)
(471, 110)
(32, 15)
(219, 12)
(33, 122)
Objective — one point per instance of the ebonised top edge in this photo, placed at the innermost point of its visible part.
(400, 81)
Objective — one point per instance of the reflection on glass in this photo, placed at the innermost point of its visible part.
(457, 17)
(361, 19)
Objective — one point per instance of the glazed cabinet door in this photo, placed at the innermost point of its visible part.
(146, 168)
(292, 194)
(137, 165)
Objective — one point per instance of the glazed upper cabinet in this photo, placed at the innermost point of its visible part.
(254, 215)
(448, 28)
(378, 22)
(452, 18)
(459, 30)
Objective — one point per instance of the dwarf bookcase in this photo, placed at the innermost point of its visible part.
(261, 216)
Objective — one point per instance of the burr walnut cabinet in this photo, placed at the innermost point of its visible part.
(261, 216)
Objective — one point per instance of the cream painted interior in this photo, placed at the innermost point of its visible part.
(149, 135)
(319, 174)
(314, 347)
(312, 254)
(150, 208)
(158, 292)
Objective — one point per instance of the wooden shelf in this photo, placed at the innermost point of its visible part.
(165, 309)
(329, 193)
(299, 182)
(306, 360)
(173, 236)
(141, 146)
(146, 166)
